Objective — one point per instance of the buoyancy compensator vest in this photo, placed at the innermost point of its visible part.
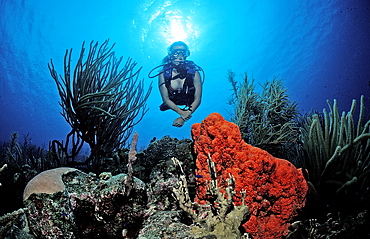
(187, 70)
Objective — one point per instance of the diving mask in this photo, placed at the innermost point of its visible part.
(178, 52)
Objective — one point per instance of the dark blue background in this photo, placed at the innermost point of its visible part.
(321, 48)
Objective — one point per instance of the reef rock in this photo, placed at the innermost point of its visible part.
(67, 203)
(275, 189)
(163, 179)
(161, 151)
(165, 224)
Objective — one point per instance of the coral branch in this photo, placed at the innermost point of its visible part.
(100, 100)
(218, 216)
(131, 160)
(2, 169)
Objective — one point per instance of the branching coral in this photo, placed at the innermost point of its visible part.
(265, 120)
(2, 169)
(338, 153)
(100, 100)
(219, 216)
(18, 154)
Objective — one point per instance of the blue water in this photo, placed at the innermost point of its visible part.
(320, 47)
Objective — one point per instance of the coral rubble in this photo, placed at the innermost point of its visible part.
(275, 189)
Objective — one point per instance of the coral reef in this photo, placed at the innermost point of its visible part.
(275, 189)
(50, 196)
(67, 203)
(234, 184)
(100, 101)
(88, 207)
(265, 120)
(338, 156)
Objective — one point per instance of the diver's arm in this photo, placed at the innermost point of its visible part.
(164, 93)
(198, 92)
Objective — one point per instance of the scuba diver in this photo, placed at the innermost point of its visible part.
(180, 83)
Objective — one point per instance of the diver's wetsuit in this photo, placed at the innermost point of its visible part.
(184, 96)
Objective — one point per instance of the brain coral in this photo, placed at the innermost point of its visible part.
(49, 181)
(275, 189)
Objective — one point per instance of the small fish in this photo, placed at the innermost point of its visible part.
(198, 176)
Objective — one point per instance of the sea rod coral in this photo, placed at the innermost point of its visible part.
(338, 155)
(275, 190)
(101, 100)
